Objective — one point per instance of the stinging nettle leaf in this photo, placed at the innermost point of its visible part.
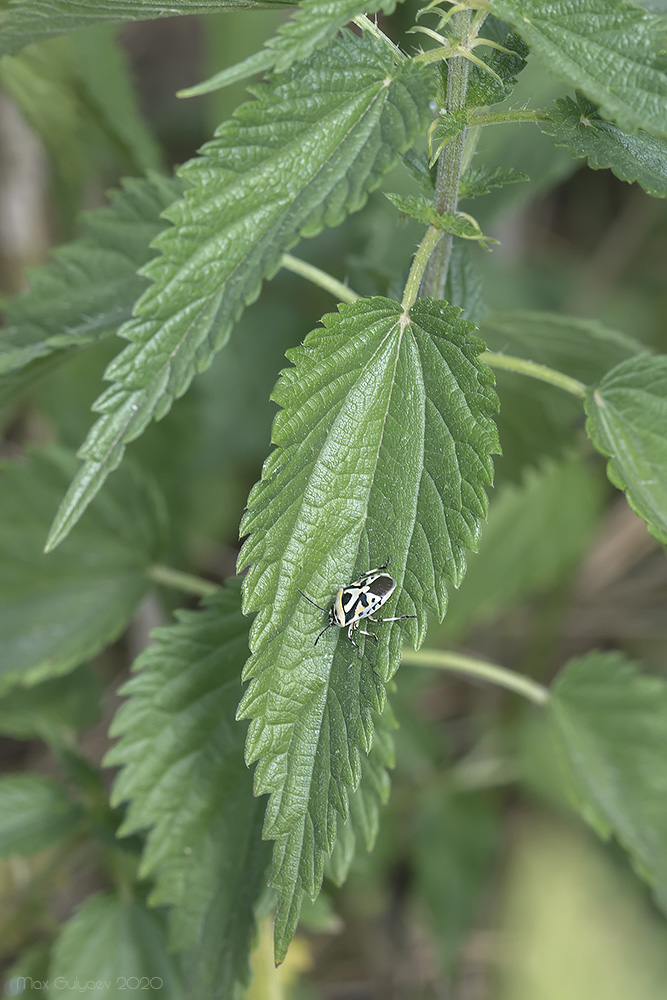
(299, 158)
(631, 156)
(35, 813)
(627, 417)
(609, 723)
(25, 21)
(57, 611)
(88, 289)
(111, 941)
(608, 49)
(185, 780)
(384, 450)
(314, 24)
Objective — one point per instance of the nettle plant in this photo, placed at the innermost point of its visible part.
(383, 450)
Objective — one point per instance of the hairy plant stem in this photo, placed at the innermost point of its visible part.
(451, 158)
(479, 669)
(535, 370)
(165, 576)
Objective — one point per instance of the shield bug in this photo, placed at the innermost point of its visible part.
(360, 600)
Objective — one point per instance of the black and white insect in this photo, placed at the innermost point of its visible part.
(359, 600)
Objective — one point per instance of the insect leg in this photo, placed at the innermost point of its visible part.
(353, 626)
(398, 618)
(372, 634)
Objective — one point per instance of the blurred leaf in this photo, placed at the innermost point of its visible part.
(52, 708)
(456, 841)
(370, 394)
(609, 49)
(537, 420)
(185, 779)
(582, 348)
(35, 812)
(627, 417)
(313, 25)
(610, 724)
(464, 283)
(28, 974)
(88, 289)
(25, 21)
(326, 148)
(536, 532)
(107, 93)
(77, 95)
(56, 611)
(636, 156)
(108, 942)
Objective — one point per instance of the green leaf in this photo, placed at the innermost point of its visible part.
(483, 87)
(536, 532)
(384, 446)
(25, 21)
(35, 812)
(110, 944)
(52, 709)
(627, 417)
(456, 841)
(88, 289)
(186, 781)
(609, 722)
(459, 224)
(56, 611)
(536, 419)
(477, 181)
(313, 25)
(300, 157)
(609, 49)
(636, 156)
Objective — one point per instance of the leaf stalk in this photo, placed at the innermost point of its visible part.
(165, 576)
(479, 669)
(535, 370)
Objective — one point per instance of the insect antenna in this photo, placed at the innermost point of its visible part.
(312, 602)
(322, 632)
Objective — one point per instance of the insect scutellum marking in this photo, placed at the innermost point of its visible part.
(359, 600)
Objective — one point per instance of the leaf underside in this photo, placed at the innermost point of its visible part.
(299, 158)
(383, 450)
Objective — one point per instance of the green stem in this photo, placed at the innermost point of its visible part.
(504, 117)
(318, 277)
(471, 667)
(165, 576)
(451, 158)
(535, 370)
(421, 259)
